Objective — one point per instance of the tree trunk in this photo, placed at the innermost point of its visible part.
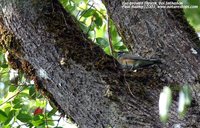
(46, 43)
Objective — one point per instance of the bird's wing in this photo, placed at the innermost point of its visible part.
(130, 56)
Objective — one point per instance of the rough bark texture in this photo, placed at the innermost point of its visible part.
(90, 86)
(159, 33)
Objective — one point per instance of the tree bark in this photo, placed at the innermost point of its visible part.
(46, 43)
(159, 33)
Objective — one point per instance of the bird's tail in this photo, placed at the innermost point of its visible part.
(156, 61)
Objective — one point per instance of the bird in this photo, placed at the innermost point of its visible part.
(133, 62)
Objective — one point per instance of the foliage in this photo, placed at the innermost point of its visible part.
(192, 14)
(21, 105)
(94, 22)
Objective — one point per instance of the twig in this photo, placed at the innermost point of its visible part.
(12, 97)
(86, 11)
(90, 26)
(98, 11)
(46, 121)
(58, 121)
(128, 86)
(78, 14)
(109, 37)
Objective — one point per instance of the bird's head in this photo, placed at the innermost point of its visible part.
(120, 53)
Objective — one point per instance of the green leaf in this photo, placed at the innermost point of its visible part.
(16, 106)
(98, 20)
(88, 13)
(2, 59)
(52, 105)
(102, 42)
(41, 125)
(52, 112)
(64, 2)
(4, 65)
(193, 19)
(7, 126)
(32, 92)
(7, 109)
(3, 116)
(92, 26)
(102, 31)
(83, 27)
(23, 117)
(17, 103)
(107, 50)
(77, 1)
(70, 6)
(23, 94)
(113, 31)
(38, 120)
(119, 43)
(120, 48)
(12, 88)
(10, 116)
